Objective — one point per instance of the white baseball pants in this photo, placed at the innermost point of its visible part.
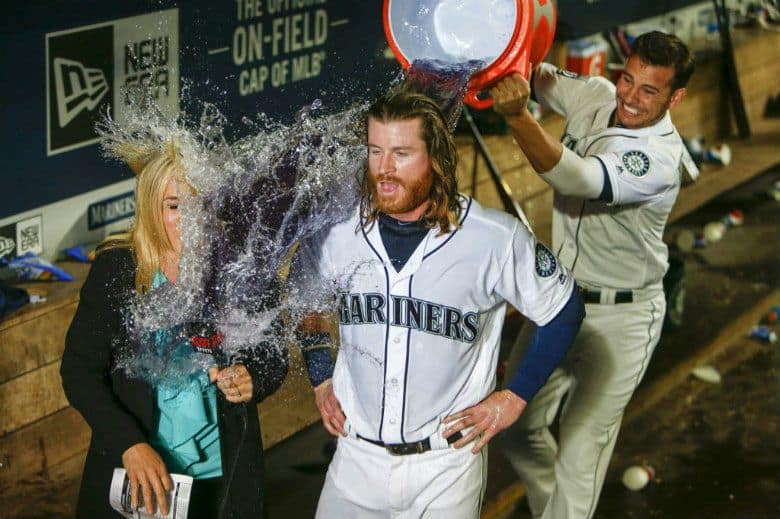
(364, 481)
(563, 479)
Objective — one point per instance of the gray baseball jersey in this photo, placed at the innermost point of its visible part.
(623, 248)
(421, 344)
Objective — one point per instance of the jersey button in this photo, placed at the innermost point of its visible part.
(397, 340)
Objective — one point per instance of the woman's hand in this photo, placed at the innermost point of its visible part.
(148, 477)
(235, 382)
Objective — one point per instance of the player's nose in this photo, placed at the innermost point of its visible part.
(386, 164)
(631, 94)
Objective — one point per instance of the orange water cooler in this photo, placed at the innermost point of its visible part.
(507, 35)
(585, 57)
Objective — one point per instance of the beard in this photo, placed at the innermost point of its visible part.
(409, 195)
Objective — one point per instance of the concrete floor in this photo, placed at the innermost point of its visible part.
(715, 448)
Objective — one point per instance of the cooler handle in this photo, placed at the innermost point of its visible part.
(473, 101)
(521, 66)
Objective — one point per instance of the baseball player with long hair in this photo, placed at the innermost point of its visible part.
(616, 178)
(423, 275)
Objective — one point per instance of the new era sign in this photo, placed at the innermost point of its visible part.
(22, 237)
(77, 89)
(88, 69)
(79, 63)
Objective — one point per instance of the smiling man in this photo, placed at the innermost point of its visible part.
(423, 276)
(616, 177)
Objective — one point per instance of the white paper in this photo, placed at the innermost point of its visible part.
(689, 169)
(178, 497)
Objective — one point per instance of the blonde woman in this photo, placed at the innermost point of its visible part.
(207, 428)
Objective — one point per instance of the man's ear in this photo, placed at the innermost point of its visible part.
(677, 97)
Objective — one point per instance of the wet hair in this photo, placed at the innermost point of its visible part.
(403, 105)
(665, 50)
(147, 238)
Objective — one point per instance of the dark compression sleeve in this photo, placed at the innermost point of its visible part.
(549, 344)
(316, 352)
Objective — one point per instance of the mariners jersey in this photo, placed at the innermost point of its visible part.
(615, 245)
(421, 344)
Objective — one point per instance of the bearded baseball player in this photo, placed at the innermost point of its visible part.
(616, 178)
(424, 274)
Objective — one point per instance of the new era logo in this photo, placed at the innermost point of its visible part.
(88, 69)
(7, 246)
(21, 237)
(78, 88)
(80, 85)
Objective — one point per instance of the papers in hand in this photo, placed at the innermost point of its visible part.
(178, 497)
(688, 167)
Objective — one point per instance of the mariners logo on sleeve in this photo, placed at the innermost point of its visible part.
(636, 163)
(545, 261)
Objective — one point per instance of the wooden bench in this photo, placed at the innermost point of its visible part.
(43, 440)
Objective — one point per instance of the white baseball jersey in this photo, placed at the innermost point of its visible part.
(617, 245)
(421, 344)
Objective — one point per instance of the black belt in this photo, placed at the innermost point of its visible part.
(594, 296)
(402, 449)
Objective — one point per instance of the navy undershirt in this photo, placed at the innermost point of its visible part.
(549, 344)
(400, 238)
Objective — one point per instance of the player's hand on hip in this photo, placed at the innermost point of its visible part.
(330, 409)
(235, 382)
(510, 95)
(494, 414)
(148, 477)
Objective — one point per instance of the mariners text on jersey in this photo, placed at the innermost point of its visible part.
(409, 312)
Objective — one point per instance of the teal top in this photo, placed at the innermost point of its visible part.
(187, 435)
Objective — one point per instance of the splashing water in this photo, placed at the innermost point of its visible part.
(255, 199)
(444, 82)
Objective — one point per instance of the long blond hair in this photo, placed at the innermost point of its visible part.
(147, 238)
(403, 105)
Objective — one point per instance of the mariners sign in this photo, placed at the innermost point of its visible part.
(88, 69)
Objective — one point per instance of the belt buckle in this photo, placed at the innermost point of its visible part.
(396, 449)
(403, 449)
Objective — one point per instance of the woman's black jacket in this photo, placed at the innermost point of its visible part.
(121, 410)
